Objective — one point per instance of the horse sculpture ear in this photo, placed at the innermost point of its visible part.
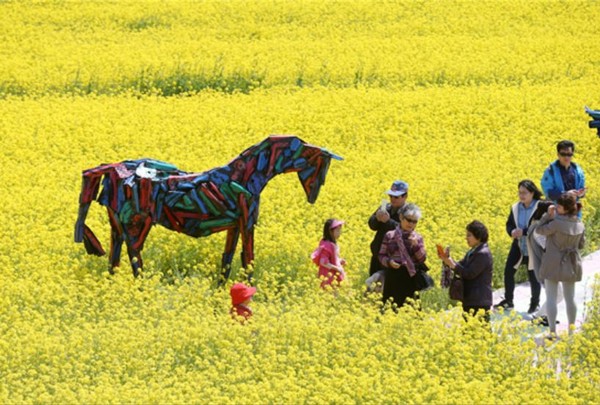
(313, 176)
(333, 155)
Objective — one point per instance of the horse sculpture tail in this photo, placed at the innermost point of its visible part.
(89, 192)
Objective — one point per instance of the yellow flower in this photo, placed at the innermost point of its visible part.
(431, 93)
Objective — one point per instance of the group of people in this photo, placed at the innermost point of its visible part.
(547, 237)
(398, 254)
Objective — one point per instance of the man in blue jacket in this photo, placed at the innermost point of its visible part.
(563, 175)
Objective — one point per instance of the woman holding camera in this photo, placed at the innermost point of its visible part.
(475, 269)
(561, 262)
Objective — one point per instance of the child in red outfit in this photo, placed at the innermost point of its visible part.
(327, 255)
(241, 295)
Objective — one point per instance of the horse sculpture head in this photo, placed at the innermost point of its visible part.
(283, 154)
(312, 174)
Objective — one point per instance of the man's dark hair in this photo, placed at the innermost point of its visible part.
(478, 230)
(562, 145)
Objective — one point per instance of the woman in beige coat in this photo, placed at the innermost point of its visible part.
(561, 262)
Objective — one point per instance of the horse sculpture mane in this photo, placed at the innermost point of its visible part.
(141, 193)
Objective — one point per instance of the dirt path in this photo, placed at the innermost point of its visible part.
(583, 294)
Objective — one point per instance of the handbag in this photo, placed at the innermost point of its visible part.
(423, 281)
(456, 290)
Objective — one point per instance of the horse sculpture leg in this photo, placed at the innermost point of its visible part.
(136, 233)
(248, 250)
(116, 241)
(135, 258)
(230, 245)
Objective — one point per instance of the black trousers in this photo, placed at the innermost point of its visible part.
(398, 286)
(509, 282)
(375, 266)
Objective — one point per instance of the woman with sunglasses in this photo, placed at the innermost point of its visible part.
(402, 254)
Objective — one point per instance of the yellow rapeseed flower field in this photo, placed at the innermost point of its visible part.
(461, 99)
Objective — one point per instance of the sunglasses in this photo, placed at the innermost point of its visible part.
(412, 221)
(563, 154)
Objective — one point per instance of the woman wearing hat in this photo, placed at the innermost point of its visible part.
(386, 219)
(241, 295)
(327, 255)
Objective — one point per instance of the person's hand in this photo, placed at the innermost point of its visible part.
(577, 192)
(517, 233)
(551, 211)
(442, 254)
(394, 265)
(382, 216)
(448, 261)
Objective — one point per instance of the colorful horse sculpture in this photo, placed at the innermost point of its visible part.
(595, 122)
(141, 193)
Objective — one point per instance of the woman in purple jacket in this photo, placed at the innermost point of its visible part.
(402, 254)
(475, 269)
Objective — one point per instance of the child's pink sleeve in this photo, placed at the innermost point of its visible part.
(328, 254)
(317, 254)
(323, 254)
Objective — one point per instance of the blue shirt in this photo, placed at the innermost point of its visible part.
(568, 178)
(523, 222)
